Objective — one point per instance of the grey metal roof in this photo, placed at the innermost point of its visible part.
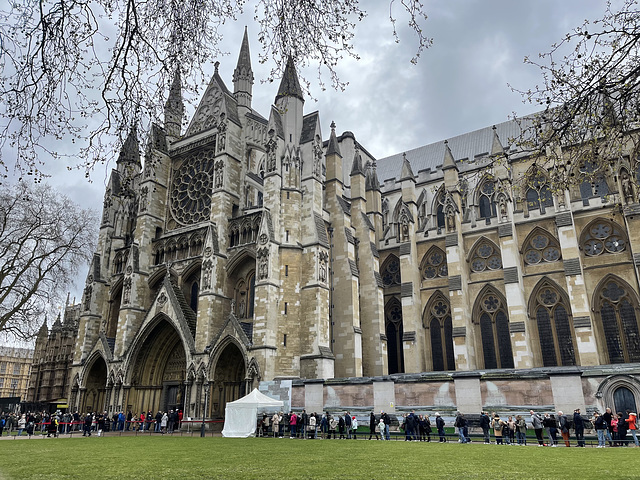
(466, 146)
(309, 123)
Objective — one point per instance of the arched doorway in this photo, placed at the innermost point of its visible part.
(229, 381)
(159, 371)
(394, 331)
(624, 400)
(96, 384)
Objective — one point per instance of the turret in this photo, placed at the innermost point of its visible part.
(243, 75)
(174, 109)
(289, 102)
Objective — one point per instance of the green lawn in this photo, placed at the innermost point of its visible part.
(259, 458)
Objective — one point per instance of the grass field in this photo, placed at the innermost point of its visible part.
(152, 457)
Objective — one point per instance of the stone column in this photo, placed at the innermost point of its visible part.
(587, 353)
(468, 396)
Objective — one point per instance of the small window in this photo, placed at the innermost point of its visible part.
(284, 341)
(288, 195)
(286, 270)
(286, 307)
(287, 235)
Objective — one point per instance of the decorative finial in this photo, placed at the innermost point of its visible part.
(404, 156)
(333, 126)
(446, 142)
(494, 127)
(216, 65)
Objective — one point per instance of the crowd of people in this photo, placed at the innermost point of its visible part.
(618, 429)
(98, 423)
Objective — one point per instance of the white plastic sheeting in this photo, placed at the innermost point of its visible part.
(240, 417)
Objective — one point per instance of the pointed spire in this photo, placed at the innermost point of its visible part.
(372, 177)
(333, 148)
(496, 145)
(356, 168)
(243, 74)
(448, 161)
(289, 85)
(174, 108)
(407, 172)
(44, 330)
(57, 325)
(130, 151)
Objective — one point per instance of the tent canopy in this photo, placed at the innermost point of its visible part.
(240, 417)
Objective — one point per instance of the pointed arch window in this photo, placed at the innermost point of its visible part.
(541, 247)
(539, 194)
(391, 272)
(394, 331)
(494, 331)
(619, 322)
(555, 333)
(434, 264)
(486, 200)
(438, 322)
(439, 209)
(594, 183)
(603, 237)
(485, 256)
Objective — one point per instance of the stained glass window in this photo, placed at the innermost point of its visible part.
(486, 257)
(494, 330)
(603, 237)
(441, 334)
(554, 329)
(391, 272)
(619, 323)
(191, 189)
(541, 247)
(434, 264)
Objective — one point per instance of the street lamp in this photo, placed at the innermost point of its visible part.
(204, 412)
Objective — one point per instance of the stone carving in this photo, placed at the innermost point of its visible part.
(87, 298)
(271, 147)
(263, 263)
(404, 222)
(627, 188)
(502, 201)
(222, 133)
(126, 291)
(317, 156)
(322, 267)
(219, 174)
(450, 210)
(233, 306)
(144, 191)
(207, 267)
(162, 299)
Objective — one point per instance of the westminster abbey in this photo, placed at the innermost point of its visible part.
(251, 249)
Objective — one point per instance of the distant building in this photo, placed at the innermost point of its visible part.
(49, 382)
(15, 368)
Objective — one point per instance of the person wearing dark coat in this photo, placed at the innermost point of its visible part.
(88, 420)
(440, 428)
(52, 427)
(411, 426)
(372, 426)
(578, 425)
(484, 425)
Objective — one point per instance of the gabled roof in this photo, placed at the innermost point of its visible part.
(289, 85)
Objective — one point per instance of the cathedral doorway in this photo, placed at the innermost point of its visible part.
(394, 331)
(624, 400)
(229, 382)
(96, 384)
(159, 371)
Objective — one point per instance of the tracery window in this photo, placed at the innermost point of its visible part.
(391, 272)
(538, 194)
(438, 321)
(434, 264)
(619, 320)
(554, 328)
(439, 210)
(494, 331)
(485, 257)
(486, 200)
(594, 184)
(541, 247)
(190, 196)
(601, 237)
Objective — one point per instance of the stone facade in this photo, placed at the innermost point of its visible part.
(248, 251)
(15, 367)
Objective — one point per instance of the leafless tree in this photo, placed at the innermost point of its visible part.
(44, 239)
(589, 97)
(79, 72)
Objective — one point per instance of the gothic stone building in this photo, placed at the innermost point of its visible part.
(249, 252)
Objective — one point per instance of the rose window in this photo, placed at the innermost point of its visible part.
(190, 197)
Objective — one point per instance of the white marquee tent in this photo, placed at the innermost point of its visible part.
(240, 417)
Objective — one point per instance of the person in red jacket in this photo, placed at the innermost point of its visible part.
(632, 422)
(179, 419)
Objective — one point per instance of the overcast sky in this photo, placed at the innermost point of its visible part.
(460, 84)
